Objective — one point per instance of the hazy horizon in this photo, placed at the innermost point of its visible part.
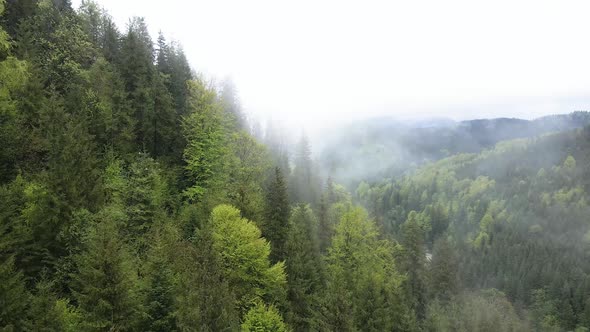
(315, 65)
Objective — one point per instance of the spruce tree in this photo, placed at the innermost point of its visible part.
(304, 269)
(138, 72)
(204, 301)
(160, 279)
(276, 223)
(443, 270)
(14, 298)
(363, 289)
(105, 285)
(304, 184)
(414, 262)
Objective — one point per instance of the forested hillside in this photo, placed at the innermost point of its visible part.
(512, 218)
(135, 195)
(377, 148)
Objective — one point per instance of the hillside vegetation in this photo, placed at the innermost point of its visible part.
(135, 195)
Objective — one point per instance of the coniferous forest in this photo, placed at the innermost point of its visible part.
(136, 195)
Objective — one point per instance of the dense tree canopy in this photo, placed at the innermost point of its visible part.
(136, 195)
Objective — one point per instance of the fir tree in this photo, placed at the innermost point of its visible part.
(276, 223)
(105, 285)
(14, 298)
(304, 269)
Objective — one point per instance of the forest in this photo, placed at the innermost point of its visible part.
(137, 195)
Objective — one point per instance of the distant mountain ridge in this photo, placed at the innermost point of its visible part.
(387, 147)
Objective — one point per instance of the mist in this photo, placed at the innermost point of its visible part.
(313, 65)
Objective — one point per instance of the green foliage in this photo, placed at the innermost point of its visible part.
(14, 74)
(414, 261)
(105, 285)
(304, 269)
(363, 284)
(14, 297)
(51, 313)
(248, 164)
(205, 153)
(244, 257)
(112, 119)
(263, 319)
(160, 280)
(204, 298)
(505, 213)
(276, 222)
(117, 166)
(488, 310)
(144, 194)
(443, 271)
(304, 184)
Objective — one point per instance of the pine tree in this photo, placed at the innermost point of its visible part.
(111, 117)
(304, 185)
(205, 300)
(50, 313)
(363, 289)
(276, 223)
(304, 269)
(73, 172)
(443, 270)
(105, 285)
(13, 74)
(138, 73)
(14, 298)
(414, 262)
(247, 166)
(143, 197)
(159, 294)
(231, 105)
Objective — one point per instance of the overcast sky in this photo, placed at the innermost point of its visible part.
(314, 61)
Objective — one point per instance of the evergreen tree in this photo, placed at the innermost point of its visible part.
(443, 270)
(304, 184)
(50, 313)
(14, 298)
(137, 70)
(71, 157)
(414, 262)
(205, 300)
(231, 105)
(111, 119)
(304, 269)
(13, 74)
(247, 166)
(144, 195)
(105, 285)
(276, 223)
(159, 294)
(363, 285)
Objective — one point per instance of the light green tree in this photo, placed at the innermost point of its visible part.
(244, 257)
(263, 319)
(205, 153)
(363, 285)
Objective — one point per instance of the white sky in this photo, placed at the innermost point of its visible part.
(320, 62)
